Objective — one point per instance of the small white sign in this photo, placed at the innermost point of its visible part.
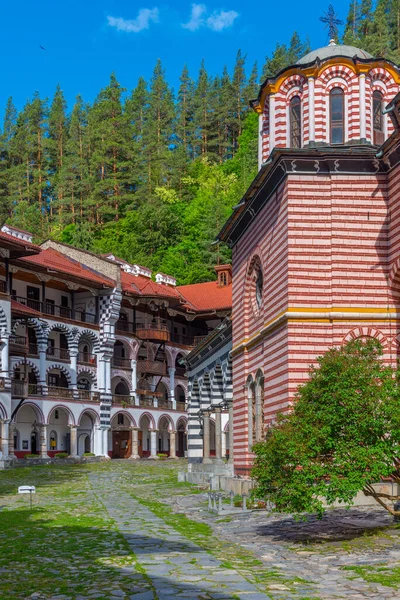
(26, 489)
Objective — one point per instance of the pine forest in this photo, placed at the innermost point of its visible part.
(152, 174)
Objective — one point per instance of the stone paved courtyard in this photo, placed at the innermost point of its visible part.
(129, 530)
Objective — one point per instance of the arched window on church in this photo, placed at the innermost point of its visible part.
(336, 99)
(295, 122)
(377, 117)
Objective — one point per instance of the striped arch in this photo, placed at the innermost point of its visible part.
(342, 71)
(61, 368)
(134, 346)
(39, 326)
(92, 413)
(119, 374)
(296, 81)
(127, 415)
(165, 381)
(382, 75)
(86, 372)
(182, 421)
(71, 418)
(168, 419)
(3, 412)
(30, 363)
(366, 331)
(90, 335)
(337, 83)
(149, 418)
(72, 342)
(170, 357)
(36, 409)
(394, 275)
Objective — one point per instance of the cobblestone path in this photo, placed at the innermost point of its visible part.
(175, 567)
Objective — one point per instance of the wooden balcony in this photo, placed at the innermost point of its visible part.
(3, 287)
(18, 344)
(84, 358)
(23, 389)
(152, 332)
(55, 310)
(87, 396)
(118, 362)
(181, 406)
(58, 354)
(163, 403)
(125, 400)
(152, 367)
(149, 393)
(60, 392)
(125, 326)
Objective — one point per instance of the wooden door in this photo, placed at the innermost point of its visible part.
(121, 444)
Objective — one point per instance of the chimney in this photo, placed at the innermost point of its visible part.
(224, 273)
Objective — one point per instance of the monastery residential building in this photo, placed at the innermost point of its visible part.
(316, 238)
(92, 351)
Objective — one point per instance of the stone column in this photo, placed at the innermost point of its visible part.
(11, 431)
(218, 434)
(271, 122)
(206, 437)
(172, 386)
(4, 355)
(73, 441)
(4, 441)
(172, 444)
(43, 442)
(361, 85)
(153, 443)
(311, 110)
(134, 443)
(223, 444)
(73, 354)
(230, 406)
(42, 367)
(134, 381)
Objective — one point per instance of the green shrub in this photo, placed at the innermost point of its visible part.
(162, 456)
(61, 455)
(31, 455)
(88, 454)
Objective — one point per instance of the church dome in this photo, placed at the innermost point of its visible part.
(331, 51)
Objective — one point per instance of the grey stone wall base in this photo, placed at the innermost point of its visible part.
(212, 468)
(33, 462)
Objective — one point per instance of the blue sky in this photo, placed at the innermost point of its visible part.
(86, 40)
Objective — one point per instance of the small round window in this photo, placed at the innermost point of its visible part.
(259, 288)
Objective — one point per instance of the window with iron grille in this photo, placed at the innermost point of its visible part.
(336, 98)
(295, 122)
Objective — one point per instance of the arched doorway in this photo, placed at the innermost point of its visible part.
(181, 439)
(121, 436)
(34, 442)
(86, 433)
(163, 444)
(144, 448)
(59, 437)
(27, 435)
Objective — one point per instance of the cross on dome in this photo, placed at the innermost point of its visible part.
(332, 23)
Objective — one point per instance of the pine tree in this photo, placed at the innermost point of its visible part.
(238, 87)
(184, 124)
(378, 41)
(109, 132)
(57, 130)
(251, 89)
(7, 133)
(201, 103)
(276, 63)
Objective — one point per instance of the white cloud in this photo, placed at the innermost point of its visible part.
(196, 18)
(222, 19)
(142, 21)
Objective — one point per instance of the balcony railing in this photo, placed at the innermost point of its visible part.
(163, 403)
(84, 358)
(153, 331)
(153, 367)
(18, 344)
(3, 287)
(2, 383)
(55, 310)
(120, 399)
(58, 353)
(23, 389)
(60, 392)
(32, 349)
(181, 406)
(120, 362)
(88, 396)
(125, 326)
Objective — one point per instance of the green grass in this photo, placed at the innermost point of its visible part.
(384, 575)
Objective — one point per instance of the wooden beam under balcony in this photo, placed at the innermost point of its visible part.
(152, 367)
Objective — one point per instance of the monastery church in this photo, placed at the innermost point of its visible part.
(315, 244)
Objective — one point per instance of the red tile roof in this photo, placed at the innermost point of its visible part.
(14, 240)
(207, 296)
(22, 308)
(54, 260)
(143, 286)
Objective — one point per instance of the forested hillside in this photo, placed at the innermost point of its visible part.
(152, 174)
